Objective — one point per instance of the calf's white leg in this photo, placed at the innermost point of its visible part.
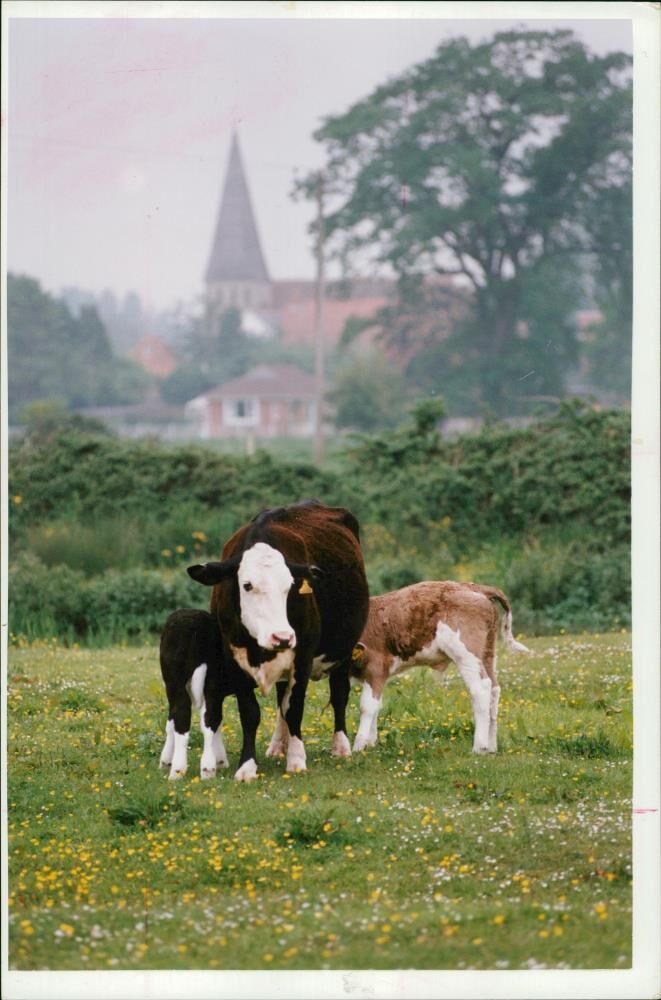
(493, 719)
(219, 749)
(180, 756)
(213, 751)
(168, 749)
(369, 711)
(478, 684)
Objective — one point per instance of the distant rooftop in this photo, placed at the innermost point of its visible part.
(271, 381)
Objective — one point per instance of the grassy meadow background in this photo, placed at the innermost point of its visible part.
(415, 854)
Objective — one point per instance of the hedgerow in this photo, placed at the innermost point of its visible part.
(542, 512)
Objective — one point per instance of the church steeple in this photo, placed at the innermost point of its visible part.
(236, 274)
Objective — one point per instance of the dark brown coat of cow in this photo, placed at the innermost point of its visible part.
(326, 608)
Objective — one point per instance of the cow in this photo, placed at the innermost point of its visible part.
(431, 624)
(291, 598)
(195, 669)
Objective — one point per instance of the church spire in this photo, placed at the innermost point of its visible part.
(236, 254)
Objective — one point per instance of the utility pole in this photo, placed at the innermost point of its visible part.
(319, 327)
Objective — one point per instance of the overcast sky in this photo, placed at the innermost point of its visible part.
(119, 130)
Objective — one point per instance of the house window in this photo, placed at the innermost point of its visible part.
(241, 412)
(243, 408)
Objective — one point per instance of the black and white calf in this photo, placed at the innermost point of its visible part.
(196, 672)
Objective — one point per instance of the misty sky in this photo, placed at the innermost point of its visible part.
(119, 130)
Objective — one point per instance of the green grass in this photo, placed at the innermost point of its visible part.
(416, 854)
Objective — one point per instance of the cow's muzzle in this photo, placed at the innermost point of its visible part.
(282, 640)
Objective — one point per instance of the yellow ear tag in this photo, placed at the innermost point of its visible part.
(305, 588)
(356, 653)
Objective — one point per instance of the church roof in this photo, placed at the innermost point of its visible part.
(236, 254)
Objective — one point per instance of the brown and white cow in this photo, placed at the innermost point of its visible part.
(290, 594)
(431, 624)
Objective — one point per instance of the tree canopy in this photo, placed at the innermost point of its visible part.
(53, 354)
(497, 166)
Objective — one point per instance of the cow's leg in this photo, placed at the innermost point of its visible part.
(475, 678)
(370, 706)
(292, 710)
(280, 739)
(249, 714)
(340, 686)
(181, 716)
(278, 745)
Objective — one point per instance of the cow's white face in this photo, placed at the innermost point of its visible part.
(264, 582)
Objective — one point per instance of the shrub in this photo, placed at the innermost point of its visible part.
(113, 606)
(542, 512)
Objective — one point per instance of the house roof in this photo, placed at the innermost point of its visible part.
(267, 382)
(297, 319)
(236, 254)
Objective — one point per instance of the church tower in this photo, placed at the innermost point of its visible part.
(236, 274)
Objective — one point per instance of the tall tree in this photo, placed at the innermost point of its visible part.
(53, 354)
(487, 163)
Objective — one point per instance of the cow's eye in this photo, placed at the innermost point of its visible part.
(247, 586)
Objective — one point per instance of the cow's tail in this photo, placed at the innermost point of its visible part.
(494, 594)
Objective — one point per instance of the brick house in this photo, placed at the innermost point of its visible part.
(268, 401)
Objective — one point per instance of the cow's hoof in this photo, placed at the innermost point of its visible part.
(163, 763)
(247, 771)
(341, 746)
(223, 762)
(208, 765)
(296, 755)
(276, 749)
(176, 775)
(481, 749)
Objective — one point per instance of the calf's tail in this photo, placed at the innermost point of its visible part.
(494, 594)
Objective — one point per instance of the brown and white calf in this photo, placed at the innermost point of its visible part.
(431, 624)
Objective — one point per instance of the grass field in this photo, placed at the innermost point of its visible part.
(416, 854)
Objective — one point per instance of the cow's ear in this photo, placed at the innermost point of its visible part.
(212, 572)
(304, 577)
(301, 571)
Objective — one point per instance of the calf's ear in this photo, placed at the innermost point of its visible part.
(357, 653)
(212, 572)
